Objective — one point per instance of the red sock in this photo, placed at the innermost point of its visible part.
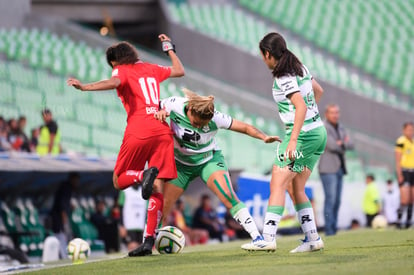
(154, 213)
(129, 177)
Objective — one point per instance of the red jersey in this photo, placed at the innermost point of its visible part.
(139, 92)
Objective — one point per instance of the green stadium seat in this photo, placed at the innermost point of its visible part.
(74, 131)
(9, 110)
(7, 92)
(107, 139)
(352, 30)
(91, 114)
(116, 120)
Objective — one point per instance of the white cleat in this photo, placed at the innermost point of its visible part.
(259, 244)
(309, 246)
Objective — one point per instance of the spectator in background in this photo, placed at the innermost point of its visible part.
(332, 166)
(107, 227)
(16, 137)
(61, 211)
(354, 224)
(49, 136)
(404, 164)
(372, 200)
(206, 218)
(34, 139)
(22, 122)
(192, 235)
(391, 203)
(4, 143)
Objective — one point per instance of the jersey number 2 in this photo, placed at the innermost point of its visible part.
(149, 84)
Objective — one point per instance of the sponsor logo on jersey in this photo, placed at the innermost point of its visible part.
(288, 85)
(220, 164)
(151, 110)
(205, 129)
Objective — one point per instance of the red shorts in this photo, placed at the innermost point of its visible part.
(157, 150)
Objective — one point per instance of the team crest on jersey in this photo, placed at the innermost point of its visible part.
(205, 129)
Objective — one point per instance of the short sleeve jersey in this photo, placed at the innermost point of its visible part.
(139, 92)
(193, 146)
(406, 147)
(287, 85)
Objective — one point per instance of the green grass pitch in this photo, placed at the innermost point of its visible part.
(364, 251)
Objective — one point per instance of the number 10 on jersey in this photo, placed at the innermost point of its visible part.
(149, 84)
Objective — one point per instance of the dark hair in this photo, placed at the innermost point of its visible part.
(46, 111)
(371, 176)
(408, 123)
(287, 62)
(73, 175)
(122, 53)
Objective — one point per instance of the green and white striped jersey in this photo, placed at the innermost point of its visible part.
(193, 146)
(286, 85)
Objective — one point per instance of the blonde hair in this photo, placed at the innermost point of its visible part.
(200, 106)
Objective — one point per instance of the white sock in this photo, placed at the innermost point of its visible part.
(244, 218)
(270, 226)
(307, 223)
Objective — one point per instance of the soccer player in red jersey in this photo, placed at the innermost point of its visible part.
(145, 138)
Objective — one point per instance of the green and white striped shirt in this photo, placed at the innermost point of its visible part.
(286, 85)
(193, 146)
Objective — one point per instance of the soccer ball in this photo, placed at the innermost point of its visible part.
(78, 250)
(170, 240)
(379, 221)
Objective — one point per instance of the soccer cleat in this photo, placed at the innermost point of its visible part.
(144, 249)
(309, 246)
(259, 244)
(148, 182)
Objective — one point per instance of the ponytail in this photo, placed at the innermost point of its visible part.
(200, 106)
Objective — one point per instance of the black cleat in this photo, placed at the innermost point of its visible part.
(148, 182)
(144, 249)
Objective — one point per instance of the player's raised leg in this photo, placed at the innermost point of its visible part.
(129, 168)
(162, 157)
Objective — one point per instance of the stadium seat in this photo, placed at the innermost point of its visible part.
(107, 139)
(83, 228)
(75, 131)
(7, 92)
(335, 26)
(9, 110)
(223, 21)
(91, 114)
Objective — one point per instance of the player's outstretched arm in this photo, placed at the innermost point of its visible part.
(177, 68)
(107, 84)
(250, 130)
